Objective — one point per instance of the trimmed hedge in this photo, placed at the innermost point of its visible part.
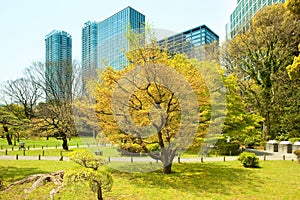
(226, 149)
(248, 159)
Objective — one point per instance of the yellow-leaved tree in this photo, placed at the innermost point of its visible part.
(155, 104)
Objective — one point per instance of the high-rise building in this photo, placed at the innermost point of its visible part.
(58, 70)
(89, 48)
(243, 13)
(189, 42)
(112, 41)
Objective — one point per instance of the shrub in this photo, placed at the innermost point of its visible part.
(248, 159)
(297, 153)
(224, 148)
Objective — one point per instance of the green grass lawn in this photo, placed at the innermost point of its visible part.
(209, 180)
(43, 142)
(108, 151)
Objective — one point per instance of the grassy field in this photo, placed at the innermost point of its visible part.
(214, 180)
(107, 151)
(43, 142)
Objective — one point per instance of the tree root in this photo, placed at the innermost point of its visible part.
(40, 180)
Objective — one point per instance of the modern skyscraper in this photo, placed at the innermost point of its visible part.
(89, 48)
(190, 41)
(58, 71)
(112, 40)
(243, 13)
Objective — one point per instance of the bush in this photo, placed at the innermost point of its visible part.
(248, 159)
(224, 148)
(297, 153)
(293, 140)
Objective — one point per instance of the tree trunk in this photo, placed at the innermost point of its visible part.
(267, 126)
(8, 137)
(167, 169)
(167, 156)
(99, 192)
(65, 142)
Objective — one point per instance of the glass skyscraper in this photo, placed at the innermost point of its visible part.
(104, 43)
(89, 48)
(189, 42)
(243, 13)
(58, 72)
(112, 40)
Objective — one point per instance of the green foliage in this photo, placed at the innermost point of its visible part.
(97, 180)
(259, 58)
(292, 140)
(240, 124)
(248, 159)
(84, 158)
(224, 148)
(93, 177)
(251, 142)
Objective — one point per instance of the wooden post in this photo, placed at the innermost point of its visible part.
(131, 159)
(283, 157)
(24, 152)
(39, 157)
(17, 157)
(28, 147)
(202, 159)
(43, 153)
(12, 148)
(265, 156)
(6, 152)
(108, 159)
(77, 145)
(224, 159)
(178, 159)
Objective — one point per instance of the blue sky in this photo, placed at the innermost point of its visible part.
(24, 23)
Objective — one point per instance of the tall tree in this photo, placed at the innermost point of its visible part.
(54, 113)
(262, 53)
(155, 100)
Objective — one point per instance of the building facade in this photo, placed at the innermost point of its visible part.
(190, 42)
(243, 13)
(58, 71)
(112, 41)
(89, 47)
